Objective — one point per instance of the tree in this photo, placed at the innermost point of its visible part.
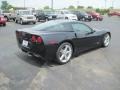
(4, 5)
(71, 7)
(98, 10)
(9, 7)
(80, 7)
(90, 7)
(46, 7)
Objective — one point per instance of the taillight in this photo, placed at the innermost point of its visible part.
(18, 33)
(39, 40)
(36, 39)
(33, 39)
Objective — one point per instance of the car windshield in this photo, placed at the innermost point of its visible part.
(66, 12)
(45, 25)
(50, 12)
(24, 12)
(84, 13)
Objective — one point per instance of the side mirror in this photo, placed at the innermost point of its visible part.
(91, 32)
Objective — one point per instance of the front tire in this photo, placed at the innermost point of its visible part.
(64, 53)
(16, 21)
(83, 19)
(34, 22)
(106, 40)
(21, 22)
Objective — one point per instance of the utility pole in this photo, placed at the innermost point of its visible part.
(105, 4)
(112, 3)
(24, 4)
(77, 3)
(52, 4)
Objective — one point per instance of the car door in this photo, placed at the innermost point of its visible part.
(86, 37)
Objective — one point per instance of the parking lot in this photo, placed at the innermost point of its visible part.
(97, 69)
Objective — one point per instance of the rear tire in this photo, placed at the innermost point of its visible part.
(64, 53)
(106, 40)
(83, 19)
(16, 21)
(21, 22)
(7, 19)
(4, 24)
(34, 22)
(66, 17)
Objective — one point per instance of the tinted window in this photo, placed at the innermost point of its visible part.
(53, 26)
(58, 27)
(81, 28)
(45, 25)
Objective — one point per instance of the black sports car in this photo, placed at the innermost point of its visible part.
(60, 39)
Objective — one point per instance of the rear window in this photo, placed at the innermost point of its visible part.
(52, 26)
(44, 26)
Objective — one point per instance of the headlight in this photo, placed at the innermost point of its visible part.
(34, 17)
(86, 16)
(23, 17)
(50, 17)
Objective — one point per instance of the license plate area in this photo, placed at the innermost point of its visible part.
(25, 43)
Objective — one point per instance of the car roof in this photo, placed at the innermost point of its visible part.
(63, 21)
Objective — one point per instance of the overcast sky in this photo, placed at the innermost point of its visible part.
(64, 3)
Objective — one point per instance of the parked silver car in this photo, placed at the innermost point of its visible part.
(7, 14)
(24, 16)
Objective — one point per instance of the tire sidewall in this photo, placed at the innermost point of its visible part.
(57, 53)
(103, 44)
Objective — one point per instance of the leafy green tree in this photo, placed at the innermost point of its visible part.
(97, 10)
(90, 7)
(46, 7)
(9, 7)
(80, 7)
(71, 7)
(4, 5)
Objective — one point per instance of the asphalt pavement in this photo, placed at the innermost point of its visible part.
(97, 69)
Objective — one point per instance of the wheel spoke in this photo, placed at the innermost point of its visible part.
(68, 52)
(65, 53)
(66, 48)
(66, 57)
(62, 56)
(107, 39)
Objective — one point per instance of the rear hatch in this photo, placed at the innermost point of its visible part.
(30, 41)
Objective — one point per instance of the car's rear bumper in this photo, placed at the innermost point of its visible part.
(48, 53)
(2, 22)
(44, 51)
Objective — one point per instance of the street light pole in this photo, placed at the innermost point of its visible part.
(77, 3)
(105, 4)
(52, 4)
(112, 3)
(24, 4)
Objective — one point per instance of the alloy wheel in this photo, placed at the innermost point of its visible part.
(106, 40)
(64, 53)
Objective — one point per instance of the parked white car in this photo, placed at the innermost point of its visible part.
(65, 14)
(24, 16)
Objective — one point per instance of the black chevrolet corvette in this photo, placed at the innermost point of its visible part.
(60, 39)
